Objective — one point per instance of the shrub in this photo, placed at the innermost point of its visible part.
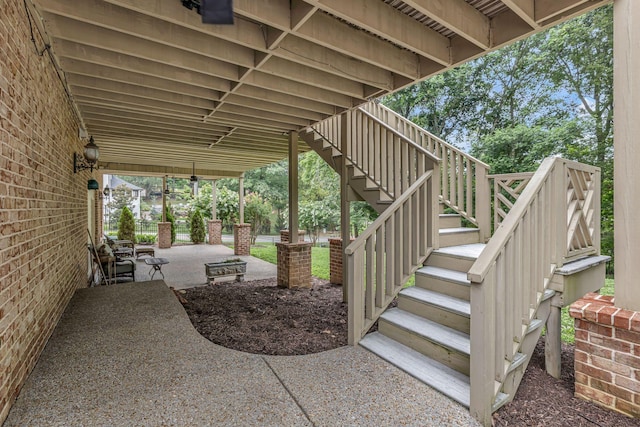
(197, 231)
(146, 238)
(172, 220)
(127, 225)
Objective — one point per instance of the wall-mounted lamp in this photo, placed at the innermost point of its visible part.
(106, 191)
(91, 154)
(92, 184)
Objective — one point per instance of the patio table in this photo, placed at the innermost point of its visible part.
(156, 265)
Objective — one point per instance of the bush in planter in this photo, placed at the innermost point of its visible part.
(127, 226)
(197, 231)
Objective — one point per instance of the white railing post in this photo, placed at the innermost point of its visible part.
(483, 203)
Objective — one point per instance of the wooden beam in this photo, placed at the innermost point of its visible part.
(293, 187)
(391, 24)
(458, 16)
(525, 9)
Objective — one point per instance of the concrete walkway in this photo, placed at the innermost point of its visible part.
(186, 265)
(127, 355)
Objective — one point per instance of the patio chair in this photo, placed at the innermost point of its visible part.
(113, 266)
(121, 248)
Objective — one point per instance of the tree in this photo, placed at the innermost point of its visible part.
(121, 197)
(256, 212)
(170, 218)
(227, 207)
(127, 225)
(197, 231)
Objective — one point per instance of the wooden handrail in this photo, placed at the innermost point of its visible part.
(555, 219)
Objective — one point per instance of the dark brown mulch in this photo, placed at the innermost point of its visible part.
(258, 317)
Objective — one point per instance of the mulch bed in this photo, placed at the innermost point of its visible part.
(258, 317)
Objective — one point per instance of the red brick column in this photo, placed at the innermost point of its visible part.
(242, 239)
(215, 231)
(607, 354)
(164, 235)
(335, 260)
(284, 236)
(294, 265)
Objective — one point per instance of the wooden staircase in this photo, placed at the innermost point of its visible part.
(471, 322)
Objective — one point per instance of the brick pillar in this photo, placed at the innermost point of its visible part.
(215, 231)
(284, 236)
(294, 265)
(335, 260)
(164, 235)
(242, 239)
(607, 354)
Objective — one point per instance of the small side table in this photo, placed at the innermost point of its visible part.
(156, 265)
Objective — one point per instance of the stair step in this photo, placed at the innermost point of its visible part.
(446, 302)
(452, 312)
(450, 220)
(500, 401)
(458, 236)
(445, 281)
(535, 324)
(459, 258)
(447, 381)
(518, 360)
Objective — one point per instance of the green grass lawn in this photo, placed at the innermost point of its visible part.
(320, 269)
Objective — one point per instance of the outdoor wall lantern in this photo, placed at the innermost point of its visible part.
(91, 154)
(106, 191)
(92, 184)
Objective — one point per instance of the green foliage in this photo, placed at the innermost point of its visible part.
(127, 225)
(146, 238)
(170, 218)
(362, 214)
(227, 207)
(256, 212)
(265, 252)
(197, 231)
(121, 197)
(316, 215)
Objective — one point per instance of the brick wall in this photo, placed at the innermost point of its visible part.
(335, 260)
(607, 354)
(43, 204)
(242, 239)
(294, 265)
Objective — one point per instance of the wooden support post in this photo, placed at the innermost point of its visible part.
(626, 205)
(345, 214)
(293, 187)
(241, 199)
(214, 200)
(553, 343)
(164, 199)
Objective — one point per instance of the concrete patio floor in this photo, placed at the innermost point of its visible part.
(127, 355)
(186, 265)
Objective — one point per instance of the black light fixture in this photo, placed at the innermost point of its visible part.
(92, 184)
(106, 191)
(166, 190)
(91, 154)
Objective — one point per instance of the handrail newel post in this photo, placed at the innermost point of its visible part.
(483, 202)
(483, 351)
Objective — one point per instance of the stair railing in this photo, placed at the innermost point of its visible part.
(383, 155)
(507, 187)
(464, 184)
(389, 251)
(555, 219)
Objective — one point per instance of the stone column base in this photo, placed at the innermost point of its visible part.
(294, 265)
(607, 354)
(164, 235)
(242, 239)
(215, 231)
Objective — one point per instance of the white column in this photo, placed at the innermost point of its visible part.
(626, 206)
(214, 199)
(241, 197)
(293, 187)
